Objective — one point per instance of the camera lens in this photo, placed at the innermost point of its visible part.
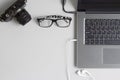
(23, 17)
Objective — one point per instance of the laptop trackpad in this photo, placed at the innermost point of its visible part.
(111, 56)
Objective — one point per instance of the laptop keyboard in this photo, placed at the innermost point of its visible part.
(102, 31)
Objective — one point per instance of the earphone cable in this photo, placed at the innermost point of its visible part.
(66, 58)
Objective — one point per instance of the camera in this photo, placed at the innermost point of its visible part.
(16, 10)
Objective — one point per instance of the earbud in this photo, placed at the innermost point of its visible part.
(82, 73)
(85, 74)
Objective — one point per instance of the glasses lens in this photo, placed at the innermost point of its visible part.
(63, 23)
(45, 23)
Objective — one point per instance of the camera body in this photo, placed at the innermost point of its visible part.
(16, 10)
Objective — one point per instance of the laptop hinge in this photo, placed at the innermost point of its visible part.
(102, 12)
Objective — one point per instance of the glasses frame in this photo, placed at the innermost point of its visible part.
(54, 19)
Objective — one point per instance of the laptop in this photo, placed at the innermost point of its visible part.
(98, 34)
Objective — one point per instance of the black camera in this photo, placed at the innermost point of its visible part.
(16, 10)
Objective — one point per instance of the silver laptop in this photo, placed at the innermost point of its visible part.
(98, 34)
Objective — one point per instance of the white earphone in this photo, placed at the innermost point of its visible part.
(85, 74)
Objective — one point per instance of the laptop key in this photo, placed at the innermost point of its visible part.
(102, 31)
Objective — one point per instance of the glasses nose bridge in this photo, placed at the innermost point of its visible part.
(54, 20)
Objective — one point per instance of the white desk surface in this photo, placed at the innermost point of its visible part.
(33, 53)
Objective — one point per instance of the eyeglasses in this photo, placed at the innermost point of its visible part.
(61, 21)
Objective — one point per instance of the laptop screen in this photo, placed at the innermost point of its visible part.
(99, 5)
